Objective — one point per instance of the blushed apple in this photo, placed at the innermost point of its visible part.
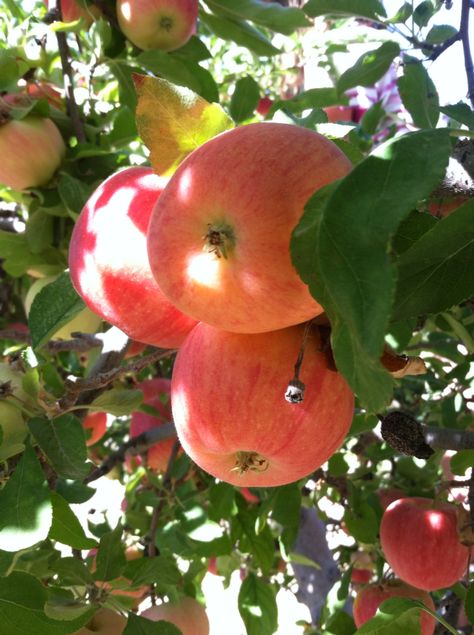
(104, 622)
(187, 614)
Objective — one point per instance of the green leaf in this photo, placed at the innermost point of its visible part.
(362, 523)
(257, 606)
(270, 15)
(240, 32)
(25, 502)
(63, 441)
(261, 545)
(439, 33)
(55, 305)
(160, 569)
(73, 193)
(286, 505)
(22, 598)
(370, 67)
(39, 231)
(174, 121)
(437, 272)
(412, 229)
(123, 74)
(66, 528)
(363, 8)
(312, 98)
(110, 556)
(194, 49)
(9, 70)
(460, 112)
(469, 603)
(222, 501)
(117, 401)
(340, 249)
(73, 572)
(183, 72)
(423, 13)
(418, 94)
(244, 99)
(137, 625)
(462, 461)
(402, 15)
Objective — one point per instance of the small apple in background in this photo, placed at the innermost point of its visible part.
(104, 622)
(227, 398)
(109, 264)
(234, 270)
(32, 150)
(187, 614)
(84, 322)
(249, 497)
(45, 90)
(337, 114)
(419, 539)
(95, 425)
(156, 393)
(264, 105)
(157, 24)
(136, 595)
(135, 348)
(362, 567)
(73, 10)
(370, 597)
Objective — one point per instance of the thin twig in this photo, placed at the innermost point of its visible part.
(464, 31)
(82, 341)
(134, 446)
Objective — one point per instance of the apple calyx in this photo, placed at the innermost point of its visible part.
(219, 239)
(166, 23)
(250, 462)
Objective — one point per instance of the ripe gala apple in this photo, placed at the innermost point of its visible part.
(32, 150)
(109, 265)
(153, 392)
(370, 597)
(187, 614)
(157, 24)
(104, 622)
(219, 235)
(420, 542)
(230, 412)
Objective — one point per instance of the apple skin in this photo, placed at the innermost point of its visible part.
(153, 389)
(262, 176)
(335, 114)
(84, 322)
(32, 150)
(227, 396)
(158, 24)
(420, 542)
(264, 105)
(96, 423)
(109, 265)
(370, 597)
(72, 10)
(104, 622)
(187, 614)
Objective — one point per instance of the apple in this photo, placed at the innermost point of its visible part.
(249, 497)
(229, 407)
(420, 542)
(45, 90)
(131, 553)
(187, 614)
(12, 422)
(135, 348)
(32, 150)
(336, 114)
(154, 390)
(370, 597)
(84, 322)
(104, 622)
(96, 424)
(264, 105)
(362, 567)
(158, 24)
(109, 265)
(389, 494)
(219, 235)
(73, 10)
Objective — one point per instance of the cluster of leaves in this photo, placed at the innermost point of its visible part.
(383, 271)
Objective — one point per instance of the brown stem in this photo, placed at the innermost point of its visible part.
(295, 390)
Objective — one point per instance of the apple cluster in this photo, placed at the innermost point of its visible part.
(200, 262)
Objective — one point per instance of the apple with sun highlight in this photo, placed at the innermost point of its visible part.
(187, 614)
(419, 539)
(231, 415)
(370, 597)
(219, 235)
(158, 24)
(108, 260)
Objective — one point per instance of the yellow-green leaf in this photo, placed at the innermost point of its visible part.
(173, 121)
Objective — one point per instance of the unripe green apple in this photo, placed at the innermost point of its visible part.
(32, 150)
(85, 322)
(12, 423)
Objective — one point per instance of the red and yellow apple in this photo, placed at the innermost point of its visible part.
(156, 393)
(219, 235)
(370, 597)
(32, 150)
(187, 614)
(95, 425)
(157, 24)
(73, 10)
(84, 322)
(104, 622)
(109, 265)
(229, 407)
(420, 542)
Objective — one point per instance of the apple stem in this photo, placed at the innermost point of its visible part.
(295, 390)
(220, 239)
(250, 462)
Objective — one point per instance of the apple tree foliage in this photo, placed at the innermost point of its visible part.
(387, 272)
